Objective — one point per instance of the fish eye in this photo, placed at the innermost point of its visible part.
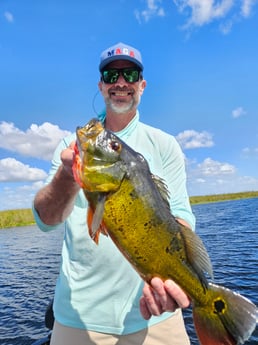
(115, 146)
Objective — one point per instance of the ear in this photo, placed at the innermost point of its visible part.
(142, 86)
(100, 85)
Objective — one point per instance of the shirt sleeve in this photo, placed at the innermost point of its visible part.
(175, 175)
(56, 162)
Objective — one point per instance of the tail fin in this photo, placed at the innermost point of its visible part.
(228, 319)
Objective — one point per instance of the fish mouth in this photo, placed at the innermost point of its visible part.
(91, 130)
(88, 134)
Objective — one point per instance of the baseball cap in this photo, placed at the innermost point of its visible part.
(120, 51)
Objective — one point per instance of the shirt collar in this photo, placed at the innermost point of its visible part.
(127, 131)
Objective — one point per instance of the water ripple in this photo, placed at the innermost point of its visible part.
(29, 264)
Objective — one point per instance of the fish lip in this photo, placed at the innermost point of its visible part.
(93, 129)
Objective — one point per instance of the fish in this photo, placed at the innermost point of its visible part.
(131, 205)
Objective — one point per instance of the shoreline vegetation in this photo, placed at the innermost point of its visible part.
(24, 217)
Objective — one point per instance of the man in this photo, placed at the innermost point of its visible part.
(99, 298)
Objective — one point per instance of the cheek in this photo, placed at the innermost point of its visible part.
(103, 90)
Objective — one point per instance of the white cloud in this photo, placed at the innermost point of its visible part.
(154, 9)
(246, 7)
(202, 12)
(18, 195)
(9, 17)
(13, 170)
(190, 139)
(231, 184)
(212, 168)
(37, 141)
(248, 152)
(214, 177)
(226, 27)
(238, 112)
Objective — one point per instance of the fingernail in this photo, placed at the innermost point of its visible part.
(169, 283)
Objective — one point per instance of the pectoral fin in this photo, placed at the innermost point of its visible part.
(197, 255)
(95, 219)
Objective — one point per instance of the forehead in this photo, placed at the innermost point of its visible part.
(120, 64)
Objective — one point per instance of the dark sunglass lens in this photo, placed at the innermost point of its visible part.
(110, 76)
(131, 75)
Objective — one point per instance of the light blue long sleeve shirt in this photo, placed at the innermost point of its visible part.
(97, 289)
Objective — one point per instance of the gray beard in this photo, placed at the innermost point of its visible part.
(121, 109)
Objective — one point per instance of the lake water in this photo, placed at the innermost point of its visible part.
(29, 262)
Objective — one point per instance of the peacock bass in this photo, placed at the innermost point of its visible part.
(130, 205)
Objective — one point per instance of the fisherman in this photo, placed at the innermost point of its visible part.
(99, 298)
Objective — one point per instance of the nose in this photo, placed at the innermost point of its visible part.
(121, 79)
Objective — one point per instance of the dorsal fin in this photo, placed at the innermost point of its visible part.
(162, 187)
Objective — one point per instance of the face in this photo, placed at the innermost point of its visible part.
(122, 97)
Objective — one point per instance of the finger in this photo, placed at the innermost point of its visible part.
(160, 292)
(177, 294)
(144, 309)
(152, 300)
(67, 158)
(167, 300)
(71, 146)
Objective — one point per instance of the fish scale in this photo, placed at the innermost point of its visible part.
(158, 254)
(131, 205)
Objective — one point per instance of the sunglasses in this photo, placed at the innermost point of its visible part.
(130, 75)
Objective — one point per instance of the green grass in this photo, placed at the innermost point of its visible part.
(204, 199)
(23, 217)
(13, 218)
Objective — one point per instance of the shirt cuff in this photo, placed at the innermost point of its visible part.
(44, 227)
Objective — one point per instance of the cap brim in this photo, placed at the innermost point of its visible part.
(107, 61)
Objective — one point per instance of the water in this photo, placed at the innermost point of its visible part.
(230, 233)
(29, 261)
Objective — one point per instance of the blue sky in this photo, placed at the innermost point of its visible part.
(201, 66)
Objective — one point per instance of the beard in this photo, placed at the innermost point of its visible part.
(122, 107)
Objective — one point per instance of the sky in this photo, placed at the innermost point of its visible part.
(201, 65)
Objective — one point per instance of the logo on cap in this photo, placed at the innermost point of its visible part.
(121, 51)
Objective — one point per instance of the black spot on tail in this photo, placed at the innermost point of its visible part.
(219, 306)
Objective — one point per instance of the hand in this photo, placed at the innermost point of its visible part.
(160, 296)
(67, 158)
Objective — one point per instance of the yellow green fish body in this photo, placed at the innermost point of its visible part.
(131, 205)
